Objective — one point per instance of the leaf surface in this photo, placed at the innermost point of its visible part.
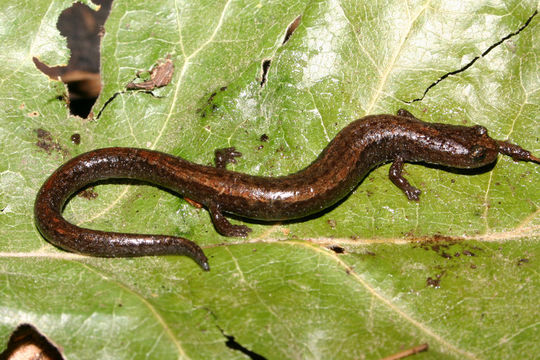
(371, 277)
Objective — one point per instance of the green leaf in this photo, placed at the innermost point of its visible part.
(457, 270)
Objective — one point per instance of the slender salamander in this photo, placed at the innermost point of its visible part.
(358, 148)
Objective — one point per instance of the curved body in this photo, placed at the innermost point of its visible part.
(358, 148)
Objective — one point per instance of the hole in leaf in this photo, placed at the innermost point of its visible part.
(291, 28)
(337, 249)
(26, 342)
(265, 66)
(83, 29)
(233, 344)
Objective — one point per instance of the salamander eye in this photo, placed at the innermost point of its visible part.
(480, 130)
(478, 152)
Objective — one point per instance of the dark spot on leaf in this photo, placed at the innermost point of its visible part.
(468, 253)
(264, 138)
(445, 255)
(436, 281)
(260, 147)
(76, 138)
(522, 261)
(337, 249)
(332, 223)
(46, 142)
(26, 342)
(211, 97)
(473, 266)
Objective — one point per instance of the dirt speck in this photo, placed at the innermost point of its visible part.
(446, 255)
(435, 281)
(76, 138)
(88, 194)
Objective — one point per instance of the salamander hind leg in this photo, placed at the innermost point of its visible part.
(225, 156)
(223, 226)
(405, 113)
(396, 175)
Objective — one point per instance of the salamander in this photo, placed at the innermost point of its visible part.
(361, 146)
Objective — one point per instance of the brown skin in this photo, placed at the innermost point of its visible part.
(358, 148)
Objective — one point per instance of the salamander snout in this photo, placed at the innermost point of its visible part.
(484, 150)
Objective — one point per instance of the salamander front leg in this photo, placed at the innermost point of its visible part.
(225, 156)
(396, 175)
(223, 226)
(221, 158)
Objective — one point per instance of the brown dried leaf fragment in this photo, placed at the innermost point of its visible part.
(412, 351)
(160, 76)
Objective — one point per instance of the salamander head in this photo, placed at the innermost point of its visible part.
(461, 146)
(471, 147)
(482, 150)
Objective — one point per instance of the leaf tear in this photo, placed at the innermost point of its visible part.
(265, 67)
(470, 63)
(235, 345)
(109, 100)
(291, 29)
